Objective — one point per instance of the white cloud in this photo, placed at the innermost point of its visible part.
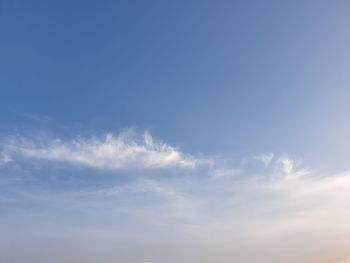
(113, 152)
(249, 207)
(4, 159)
(287, 168)
(265, 158)
(222, 173)
(282, 200)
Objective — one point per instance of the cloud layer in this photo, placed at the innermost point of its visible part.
(268, 207)
(125, 151)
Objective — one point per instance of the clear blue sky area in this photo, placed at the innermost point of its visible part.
(208, 76)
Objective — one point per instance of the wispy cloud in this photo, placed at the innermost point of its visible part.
(124, 151)
(288, 168)
(265, 158)
(215, 203)
(4, 159)
(225, 172)
(261, 210)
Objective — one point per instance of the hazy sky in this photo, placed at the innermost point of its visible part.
(174, 131)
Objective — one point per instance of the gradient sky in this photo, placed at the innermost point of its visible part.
(174, 131)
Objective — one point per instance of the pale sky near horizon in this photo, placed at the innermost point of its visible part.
(174, 131)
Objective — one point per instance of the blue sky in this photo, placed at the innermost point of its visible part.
(183, 109)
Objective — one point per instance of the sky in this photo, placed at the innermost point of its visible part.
(174, 131)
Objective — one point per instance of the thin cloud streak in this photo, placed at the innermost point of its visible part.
(113, 152)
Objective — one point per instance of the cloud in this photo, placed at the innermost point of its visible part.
(222, 172)
(125, 151)
(4, 159)
(265, 158)
(287, 168)
(226, 207)
(237, 217)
